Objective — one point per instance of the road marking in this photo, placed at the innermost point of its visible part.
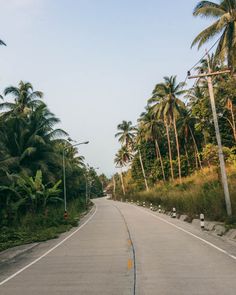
(189, 233)
(130, 264)
(49, 251)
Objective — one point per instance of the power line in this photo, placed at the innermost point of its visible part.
(199, 61)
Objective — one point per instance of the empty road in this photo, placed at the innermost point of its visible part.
(122, 249)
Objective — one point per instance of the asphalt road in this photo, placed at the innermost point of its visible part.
(123, 249)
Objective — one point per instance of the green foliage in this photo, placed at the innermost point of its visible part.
(224, 24)
(31, 150)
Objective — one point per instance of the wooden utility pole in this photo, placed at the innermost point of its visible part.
(217, 131)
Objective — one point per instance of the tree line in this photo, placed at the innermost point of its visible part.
(31, 148)
(175, 135)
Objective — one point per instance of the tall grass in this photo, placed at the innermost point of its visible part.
(199, 193)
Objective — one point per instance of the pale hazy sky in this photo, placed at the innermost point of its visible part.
(96, 61)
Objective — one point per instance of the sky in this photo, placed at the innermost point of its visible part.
(97, 61)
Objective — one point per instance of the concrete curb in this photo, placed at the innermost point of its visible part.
(13, 252)
(212, 227)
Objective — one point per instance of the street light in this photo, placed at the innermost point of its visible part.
(64, 174)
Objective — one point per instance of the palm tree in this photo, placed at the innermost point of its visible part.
(139, 139)
(151, 129)
(224, 14)
(188, 127)
(25, 99)
(126, 133)
(28, 144)
(170, 106)
(122, 158)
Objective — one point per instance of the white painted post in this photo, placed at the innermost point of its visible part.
(174, 213)
(202, 221)
(144, 204)
(159, 208)
(138, 202)
(151, 206)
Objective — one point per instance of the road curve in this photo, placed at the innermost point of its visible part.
(99, 259)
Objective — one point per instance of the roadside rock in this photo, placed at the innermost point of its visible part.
(219, 229)
(183, 217)
(209, 225)
(231, 234)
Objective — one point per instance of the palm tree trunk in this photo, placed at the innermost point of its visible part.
(196, 148)
(158, 153)
(196, 158)
(177, 147)
(114, 187)
(170, 154)
(122, 182)
(187, 157)
(144, 174)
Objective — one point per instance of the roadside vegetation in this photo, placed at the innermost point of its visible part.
(170, 156)
(31, 191)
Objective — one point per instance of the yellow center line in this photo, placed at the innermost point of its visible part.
(130, 264)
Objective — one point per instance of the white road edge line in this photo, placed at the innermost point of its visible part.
(191, 234)
(49, 251)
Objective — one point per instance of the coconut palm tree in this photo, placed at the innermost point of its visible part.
(28, 144)
(224, 15)
(122, 158)
(126, 133)
(169, 107)
(25, 99)
(151, 130)
(138, 141)
(156, 109)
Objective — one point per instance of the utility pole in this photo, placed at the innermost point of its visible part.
(217, 131)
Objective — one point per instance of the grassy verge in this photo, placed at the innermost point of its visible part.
(41, 227)
(199, 193)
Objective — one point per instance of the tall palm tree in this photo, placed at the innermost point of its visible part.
(224, 14)
(169, 108)
(126, 133)
(25, 99)
(188, 128)
(156, 110)
(151, 127)
(138, 140)
(122, 158)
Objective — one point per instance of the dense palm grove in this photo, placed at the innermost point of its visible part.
(175, 135)
(31, 149)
